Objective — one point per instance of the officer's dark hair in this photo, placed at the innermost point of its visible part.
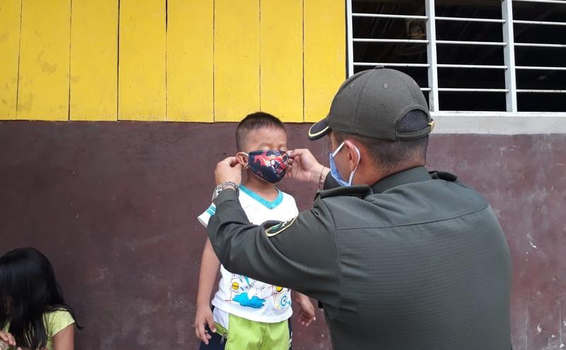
(256, 121)
(390, 156)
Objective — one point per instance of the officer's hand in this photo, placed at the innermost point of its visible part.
(203, 318)
(305, 167)
(307, 313)
(228, 170)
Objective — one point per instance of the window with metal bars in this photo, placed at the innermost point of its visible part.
(500, 56)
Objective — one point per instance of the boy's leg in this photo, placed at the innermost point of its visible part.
(277, 336)
(244, 334)
(290, 334)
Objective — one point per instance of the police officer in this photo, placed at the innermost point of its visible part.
(400, 258)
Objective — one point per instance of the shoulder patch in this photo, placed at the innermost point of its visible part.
(280, 227)
(361, 191)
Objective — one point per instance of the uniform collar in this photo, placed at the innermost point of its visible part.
(412, 175)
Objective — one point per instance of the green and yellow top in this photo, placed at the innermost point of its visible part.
(55, 322)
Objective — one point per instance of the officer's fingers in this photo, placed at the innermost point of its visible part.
(234, 163)
(299, 152)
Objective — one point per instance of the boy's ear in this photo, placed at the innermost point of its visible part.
(242, 159)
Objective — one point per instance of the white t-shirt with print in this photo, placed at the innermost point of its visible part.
(243, 296)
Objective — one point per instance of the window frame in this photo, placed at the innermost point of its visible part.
(510, 121)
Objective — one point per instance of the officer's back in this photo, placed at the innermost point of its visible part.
(424, 265)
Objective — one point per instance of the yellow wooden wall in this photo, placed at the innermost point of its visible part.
(174, 60)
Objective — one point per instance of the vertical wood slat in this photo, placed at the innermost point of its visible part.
(94, 59)
(10, 12)
(190, 61)
(325, 54)
(142, 62)
(236, 59)
(282, 59)
(44, 60)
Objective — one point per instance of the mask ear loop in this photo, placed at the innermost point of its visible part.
(357, 165)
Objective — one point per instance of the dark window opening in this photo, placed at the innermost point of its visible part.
(470, 76)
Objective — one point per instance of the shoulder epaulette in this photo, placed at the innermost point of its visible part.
(361, 191)
(443, 175)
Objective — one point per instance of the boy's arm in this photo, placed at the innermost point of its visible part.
(306, 314)
(208, 270)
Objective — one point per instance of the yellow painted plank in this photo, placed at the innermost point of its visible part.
(190, 58)
(10, 11)
(282, 59)
(44, 60)
(236, 59)
(325, 54)
(141, 91)
(94, 59)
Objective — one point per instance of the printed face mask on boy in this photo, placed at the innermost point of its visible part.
(269, 165)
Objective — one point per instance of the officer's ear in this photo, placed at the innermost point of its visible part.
(353, 156)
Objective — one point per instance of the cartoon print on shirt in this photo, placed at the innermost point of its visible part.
(251, 293)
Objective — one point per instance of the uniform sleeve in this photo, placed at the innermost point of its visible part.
(299, 254)
(57, 321)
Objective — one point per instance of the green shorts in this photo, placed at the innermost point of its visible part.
(243, 334)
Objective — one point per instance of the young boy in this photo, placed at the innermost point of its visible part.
(249, 314)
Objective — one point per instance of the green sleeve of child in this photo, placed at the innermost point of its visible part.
(56, 321)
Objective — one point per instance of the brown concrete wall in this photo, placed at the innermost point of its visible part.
(114, 205)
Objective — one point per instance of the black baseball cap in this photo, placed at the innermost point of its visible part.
(371, 103)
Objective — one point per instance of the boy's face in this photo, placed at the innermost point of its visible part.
(265, 139)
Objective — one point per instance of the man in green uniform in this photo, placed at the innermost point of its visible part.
(400, 258)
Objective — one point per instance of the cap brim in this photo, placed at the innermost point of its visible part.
(319, 130)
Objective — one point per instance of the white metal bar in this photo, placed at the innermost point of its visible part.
(350, 31)
(543, 23)
(372, 64)
(503, 123)
(539, 45)
(470, 19)
(562, 2)
(539, 68)
(426, 89)
(365, 40)
(509, 56)
(471, 90)
(535, 91)
(383, 15)
(432, 58)
(494, 114)
(470, 66)
(486, 43)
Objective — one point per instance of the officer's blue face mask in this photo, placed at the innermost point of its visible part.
(334, 170)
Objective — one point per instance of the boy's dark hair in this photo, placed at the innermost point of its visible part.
(28, 290)
(256, 121)
(393, 155)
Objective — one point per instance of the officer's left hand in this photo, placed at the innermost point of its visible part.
(228, 170)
